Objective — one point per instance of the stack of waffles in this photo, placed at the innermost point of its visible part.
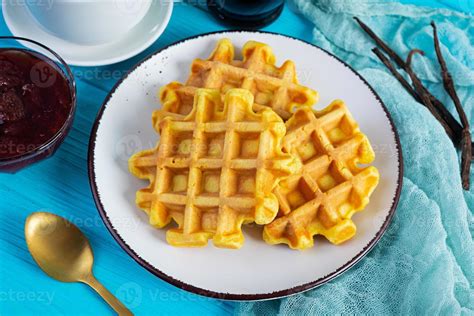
(239, 143)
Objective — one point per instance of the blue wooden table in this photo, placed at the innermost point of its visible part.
(60, 185)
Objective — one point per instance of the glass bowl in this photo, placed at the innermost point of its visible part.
(12, 160)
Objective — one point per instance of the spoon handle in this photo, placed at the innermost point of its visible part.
(107, 296)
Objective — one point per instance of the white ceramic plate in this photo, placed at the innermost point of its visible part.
(22, 24)
(257, 271)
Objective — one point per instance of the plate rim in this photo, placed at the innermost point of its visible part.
(231, 296)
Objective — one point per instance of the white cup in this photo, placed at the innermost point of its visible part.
(88, 22)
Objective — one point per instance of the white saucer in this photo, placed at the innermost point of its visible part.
(21, 23)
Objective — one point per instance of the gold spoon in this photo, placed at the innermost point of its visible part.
(64, 253)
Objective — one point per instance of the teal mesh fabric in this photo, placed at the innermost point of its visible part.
(424, 264)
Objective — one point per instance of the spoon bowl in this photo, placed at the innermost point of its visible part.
(49, 237)
(63, 252)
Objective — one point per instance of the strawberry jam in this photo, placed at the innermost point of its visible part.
(35, 101)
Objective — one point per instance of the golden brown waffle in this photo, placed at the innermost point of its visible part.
(274, 87)
(331, 187)
(214, 170)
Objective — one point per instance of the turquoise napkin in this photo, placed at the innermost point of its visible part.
(424, 264)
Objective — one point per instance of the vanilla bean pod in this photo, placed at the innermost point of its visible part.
(459, 133)
(466, 145)
(415, 94)
(396, 74)
(421, 91)
(398, 60)
(447, 117)
(408, 87)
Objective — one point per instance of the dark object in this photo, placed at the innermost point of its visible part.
(37, 103)
(246, 13)
(459, 134)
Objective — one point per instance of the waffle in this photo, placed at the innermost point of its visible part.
(214, 170)
(272, 86)
(331, 187)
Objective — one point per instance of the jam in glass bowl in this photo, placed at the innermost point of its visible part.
(37, 102)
